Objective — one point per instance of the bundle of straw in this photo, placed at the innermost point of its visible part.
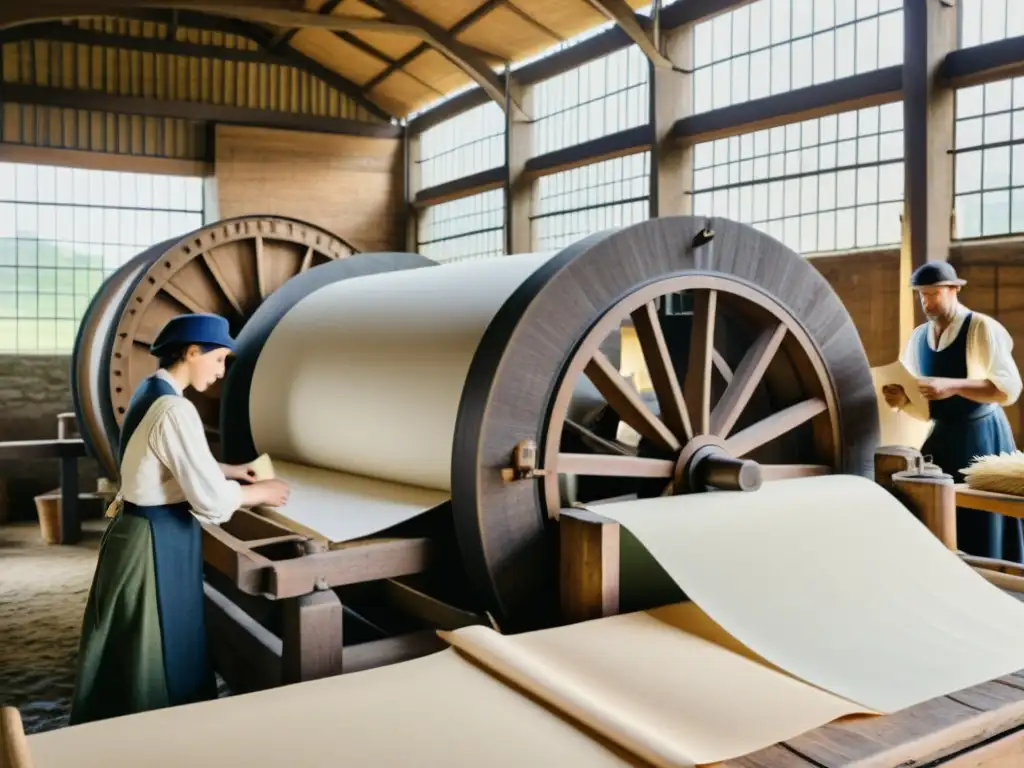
(1003, 473)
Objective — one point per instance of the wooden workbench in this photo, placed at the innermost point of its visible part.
(68, 452)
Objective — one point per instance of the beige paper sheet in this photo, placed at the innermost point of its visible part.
(362, 380)
(669, 685)
(897, 373)
(365, 376)
(833, 580)
(440, 711)
(339, 507)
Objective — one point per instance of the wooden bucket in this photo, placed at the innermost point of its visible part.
(48, 509)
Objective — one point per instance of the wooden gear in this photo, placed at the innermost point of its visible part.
(227, 268)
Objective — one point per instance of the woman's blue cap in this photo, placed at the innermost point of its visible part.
(209, 330)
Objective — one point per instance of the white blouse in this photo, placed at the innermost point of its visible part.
(989, 351)
(167, 461)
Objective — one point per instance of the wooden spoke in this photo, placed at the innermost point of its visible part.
(661, 370)
(790, 471)
(613, 466)
(261, 268)
(748, 375)
(222, 283)
(597, 442)
(307, 260)
(722, 367)
(626, 402)
(777, 424)
(183, 298)
(697, 387)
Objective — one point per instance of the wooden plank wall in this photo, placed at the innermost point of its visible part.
(868, 284)
(351, 185)
(120, 72)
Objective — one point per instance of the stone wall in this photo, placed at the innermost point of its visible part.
(33, 390)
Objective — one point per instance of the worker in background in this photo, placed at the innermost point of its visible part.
(966, 371)
(143, 642)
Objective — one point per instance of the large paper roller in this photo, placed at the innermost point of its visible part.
(388, 394)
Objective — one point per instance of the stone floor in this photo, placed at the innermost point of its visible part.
(43, 590)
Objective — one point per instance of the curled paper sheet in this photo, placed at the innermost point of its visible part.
(897, 374)
(834, 581)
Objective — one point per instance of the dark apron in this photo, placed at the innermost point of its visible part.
(963, 430)
(143, 642)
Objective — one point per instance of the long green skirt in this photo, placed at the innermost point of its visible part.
(143, 643)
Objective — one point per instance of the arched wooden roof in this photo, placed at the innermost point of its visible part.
(397, 55)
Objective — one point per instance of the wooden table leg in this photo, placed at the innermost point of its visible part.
(311, 637)
(70, 525)
(589, 565)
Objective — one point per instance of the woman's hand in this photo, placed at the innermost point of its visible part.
(275, 493)
(240, 472)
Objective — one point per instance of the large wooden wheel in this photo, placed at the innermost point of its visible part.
(699, 438)
(227, 268)
(771, 382)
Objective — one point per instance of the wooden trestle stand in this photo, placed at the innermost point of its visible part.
(272, 613)
(980, 727)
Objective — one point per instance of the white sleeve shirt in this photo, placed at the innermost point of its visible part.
(168, 460)
(989, 351)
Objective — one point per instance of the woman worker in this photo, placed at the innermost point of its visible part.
(143, 643)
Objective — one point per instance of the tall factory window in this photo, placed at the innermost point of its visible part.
(989, 181)
(467, 143)
(63, 231)
(773, 46)
(830, 183)
(985, 21)
(599, 98)
(577, 202)
(470, 227)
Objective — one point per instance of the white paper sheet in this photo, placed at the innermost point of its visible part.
(897, 374)
(339, 507)
(833, 580)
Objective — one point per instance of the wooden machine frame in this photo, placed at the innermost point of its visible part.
(981, 727)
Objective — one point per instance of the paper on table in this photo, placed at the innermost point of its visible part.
(897, 374)
(440, 711)
(833, 580)
(669, 685)
(338, 507)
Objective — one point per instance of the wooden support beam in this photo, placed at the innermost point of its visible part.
(12, 14)
(882, 86)
(635, 28)
(188, 110)
(518, 185)
(492, 178)
(985, 63)
(929, 36)
(588, 565)
(671, 101)
(306, 19)
(462, 55)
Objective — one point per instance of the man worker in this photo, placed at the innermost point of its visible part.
(965, 369)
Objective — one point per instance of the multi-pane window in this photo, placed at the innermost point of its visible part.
(829, 183)
(772, 46)
(572, 204)
(989, 182)
(467, 143)
(985, 21)
(63, 231)
(601, 97)
(470, 227)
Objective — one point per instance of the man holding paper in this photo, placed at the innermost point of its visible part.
(966, 372)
